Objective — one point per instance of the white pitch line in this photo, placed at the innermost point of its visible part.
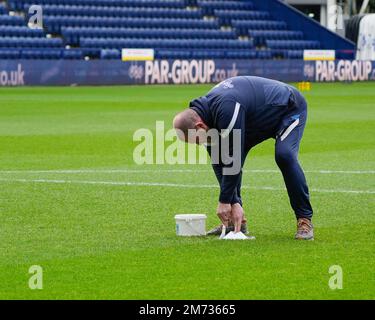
(173, 185)
(82, 171)
(78, 171)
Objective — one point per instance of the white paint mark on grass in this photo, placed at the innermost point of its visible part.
(174, 185)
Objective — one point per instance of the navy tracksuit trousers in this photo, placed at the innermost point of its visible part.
(286, 156)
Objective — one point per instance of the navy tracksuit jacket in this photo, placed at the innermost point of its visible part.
(262, 109)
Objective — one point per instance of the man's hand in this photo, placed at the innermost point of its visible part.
(237, 216)
(224, 212)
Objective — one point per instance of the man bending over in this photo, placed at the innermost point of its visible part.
(245, 111)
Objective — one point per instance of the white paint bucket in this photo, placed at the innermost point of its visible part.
(190, 224)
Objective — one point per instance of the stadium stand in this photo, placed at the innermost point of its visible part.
(74, 29)
(18, 41)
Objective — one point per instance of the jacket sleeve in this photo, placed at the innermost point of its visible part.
(231, 124)
(219, 176)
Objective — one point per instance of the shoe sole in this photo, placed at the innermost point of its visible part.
(306, 239)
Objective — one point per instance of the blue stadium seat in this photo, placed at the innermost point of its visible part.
(205, 54)
(93, 53)
(264, 54)
(9, 53)
(260, 36)
(50, 53)
(20, 4)
(292, 44)
(294, 54)
(3, 10)
(209, 54)
(46, 53)
(165, 43)
(226, 16)
(72, 54)
(244, 54)
(172, 54)
(72, 35)
(6, 20)
(244, 26)
(97, 11)
(54, 23)
(110, 54)
(23, 42)
(278, 54)
(209, 6)
(20, 31)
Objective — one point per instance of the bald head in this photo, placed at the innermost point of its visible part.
(188, 120)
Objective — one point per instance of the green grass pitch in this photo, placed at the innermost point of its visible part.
(65, 159)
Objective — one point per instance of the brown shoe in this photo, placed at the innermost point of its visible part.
(305, 229)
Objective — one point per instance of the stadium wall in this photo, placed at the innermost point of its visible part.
(106, 72)
(312, 30)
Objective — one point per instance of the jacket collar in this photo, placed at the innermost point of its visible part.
(200, 105)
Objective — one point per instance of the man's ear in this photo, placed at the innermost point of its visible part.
(201, 125)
